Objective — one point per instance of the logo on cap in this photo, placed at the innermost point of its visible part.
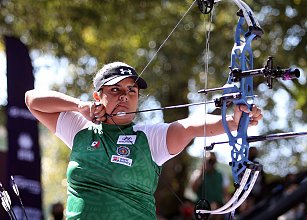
(125, 71)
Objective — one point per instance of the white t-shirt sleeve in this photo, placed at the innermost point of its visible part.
(156, 135)
(68, 125)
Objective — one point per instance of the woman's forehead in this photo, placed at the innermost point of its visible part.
(127, 82)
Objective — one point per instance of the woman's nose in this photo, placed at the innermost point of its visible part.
(123, 97)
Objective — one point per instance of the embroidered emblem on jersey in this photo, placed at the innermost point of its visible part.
(121, 160)
(123, 151)
(94, 145)
(126, 139)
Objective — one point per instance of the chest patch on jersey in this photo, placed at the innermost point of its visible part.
(121, 160)
(126, 139)
(123, 151)
(94, 145)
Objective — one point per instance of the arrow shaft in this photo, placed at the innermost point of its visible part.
(162, 108)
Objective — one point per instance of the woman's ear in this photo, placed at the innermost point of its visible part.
(96, 96)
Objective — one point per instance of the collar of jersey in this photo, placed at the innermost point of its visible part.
(115, 127)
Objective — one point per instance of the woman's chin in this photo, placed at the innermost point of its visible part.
(121, 119)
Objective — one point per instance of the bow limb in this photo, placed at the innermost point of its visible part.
(206, 6)
(237, 199)
(240, 199)
(233, 199)
(252, 22)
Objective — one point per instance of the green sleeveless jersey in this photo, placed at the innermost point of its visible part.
(111, 175)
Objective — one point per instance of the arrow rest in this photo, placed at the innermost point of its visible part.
(202, 204)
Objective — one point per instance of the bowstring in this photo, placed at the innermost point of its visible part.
(207, 51)
(165, 40)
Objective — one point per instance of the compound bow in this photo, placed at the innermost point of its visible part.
(239, 91)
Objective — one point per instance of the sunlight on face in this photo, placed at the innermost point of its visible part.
(121, 97)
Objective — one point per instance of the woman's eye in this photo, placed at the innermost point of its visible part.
(132, 90)
(115, 89)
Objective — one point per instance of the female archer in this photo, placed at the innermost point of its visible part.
(115, 164)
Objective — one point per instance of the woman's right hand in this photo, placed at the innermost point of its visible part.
(92, 111)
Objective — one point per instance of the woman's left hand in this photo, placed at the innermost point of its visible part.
(255, 114)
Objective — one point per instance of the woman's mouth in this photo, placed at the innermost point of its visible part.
(121, 108)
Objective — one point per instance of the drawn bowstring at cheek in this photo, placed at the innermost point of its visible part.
(122, 96)
(107, 115)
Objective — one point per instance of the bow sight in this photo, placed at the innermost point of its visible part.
(236, 74)
(269, 72)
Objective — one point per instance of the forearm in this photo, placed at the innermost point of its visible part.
(182, 132)
(50, 101)
(214, 125)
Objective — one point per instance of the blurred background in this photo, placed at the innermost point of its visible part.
(69, 41)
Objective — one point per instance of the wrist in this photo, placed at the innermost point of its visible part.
(79, 105)
(231, 123)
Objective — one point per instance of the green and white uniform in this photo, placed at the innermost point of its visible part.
(113, 170)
